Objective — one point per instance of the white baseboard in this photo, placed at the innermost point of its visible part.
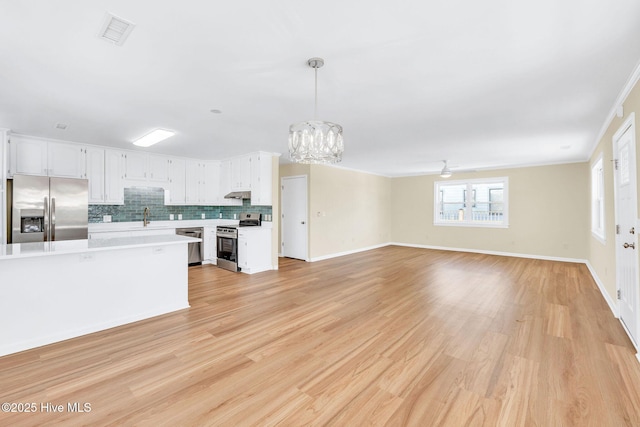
(446, 248)
(612, 304)
(481, 251)
(354, 251)
(87, 329)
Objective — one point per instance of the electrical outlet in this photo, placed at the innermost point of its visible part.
(106, 218)
(202, 216)
(86, 257)
(179, 217)
(171, 217)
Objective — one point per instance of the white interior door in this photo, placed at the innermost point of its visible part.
(294, 219)
(626, 233)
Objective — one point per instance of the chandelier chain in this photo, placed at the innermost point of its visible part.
(315, 108)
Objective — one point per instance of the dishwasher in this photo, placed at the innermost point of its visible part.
(196, 250)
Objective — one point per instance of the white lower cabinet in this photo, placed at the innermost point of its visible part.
(254, 249)
(210, 245)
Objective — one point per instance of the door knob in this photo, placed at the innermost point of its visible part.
(629, 245)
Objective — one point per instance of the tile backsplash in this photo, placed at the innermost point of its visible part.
(137, 198)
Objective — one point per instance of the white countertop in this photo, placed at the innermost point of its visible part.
(26, 250)
(100, 227)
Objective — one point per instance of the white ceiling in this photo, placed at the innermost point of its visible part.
(484, 84)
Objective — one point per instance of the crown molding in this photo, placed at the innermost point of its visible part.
(622, 96)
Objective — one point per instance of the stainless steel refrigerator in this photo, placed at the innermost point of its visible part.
(47, 209)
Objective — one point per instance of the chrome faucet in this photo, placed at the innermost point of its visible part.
(145, 216)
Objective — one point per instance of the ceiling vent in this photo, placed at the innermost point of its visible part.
(115, 29)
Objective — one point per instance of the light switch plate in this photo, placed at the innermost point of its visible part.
(171, 217)
(179, 216)
(106, 218)
(202, 216)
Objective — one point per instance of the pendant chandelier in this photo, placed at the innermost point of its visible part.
(315, 141)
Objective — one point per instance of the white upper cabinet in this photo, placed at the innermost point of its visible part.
(135, 167)
(211, 184)
(261, 186)
(225, 178)
(109, 171)
(194, 177)
(105, 175)
(113, 177)
(27, 156)
(241, 173)
(175, 195)
(95, 174)
(225, 185)
(33, 156)
(158, 169)
(202, 182)
(66, 160)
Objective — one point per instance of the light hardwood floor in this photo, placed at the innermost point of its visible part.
(395, 336)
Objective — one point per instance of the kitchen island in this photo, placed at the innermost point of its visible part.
(53, 291)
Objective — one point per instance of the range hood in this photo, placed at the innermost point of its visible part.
(238, 195)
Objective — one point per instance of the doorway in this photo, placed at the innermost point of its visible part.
(626, 237)
(295, 217)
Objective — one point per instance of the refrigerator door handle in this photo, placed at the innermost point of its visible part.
(46, 218)
(53, 219)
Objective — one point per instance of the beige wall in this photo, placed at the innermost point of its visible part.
(548, 212)
(602, 256)
(547, 206)
(354, 208)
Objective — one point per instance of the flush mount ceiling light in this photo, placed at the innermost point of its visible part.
(446, 172)
(315, 141)
(153, 137)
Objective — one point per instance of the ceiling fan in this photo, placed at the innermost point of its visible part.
(446, 171)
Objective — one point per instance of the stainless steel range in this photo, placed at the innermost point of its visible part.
(227, 240)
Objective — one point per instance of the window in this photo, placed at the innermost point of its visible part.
(597, 200)
(475, 202)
